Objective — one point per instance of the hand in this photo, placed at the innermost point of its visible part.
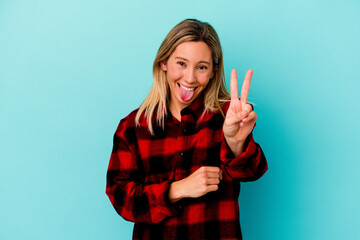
(240, 119)
(199, 183)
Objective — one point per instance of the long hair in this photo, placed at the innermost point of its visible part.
(215, 93)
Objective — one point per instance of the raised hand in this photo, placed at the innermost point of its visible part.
(240, 118)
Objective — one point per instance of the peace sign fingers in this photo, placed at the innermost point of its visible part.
(234, 90)
(245, 88)
(240, 119)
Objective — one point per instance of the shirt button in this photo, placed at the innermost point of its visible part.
(181, 153)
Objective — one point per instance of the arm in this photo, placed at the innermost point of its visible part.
(242, 157)
(203, 180)
(133, 199)
(249, 165)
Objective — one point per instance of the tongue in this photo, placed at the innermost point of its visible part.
(186, 95)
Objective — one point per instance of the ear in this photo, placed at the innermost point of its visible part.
(163, 65)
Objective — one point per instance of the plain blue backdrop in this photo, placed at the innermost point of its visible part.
(70, 70)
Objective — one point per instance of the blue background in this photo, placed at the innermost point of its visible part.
(70, 70)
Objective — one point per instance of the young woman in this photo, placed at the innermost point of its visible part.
(178, 160)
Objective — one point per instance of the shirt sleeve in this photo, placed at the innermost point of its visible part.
(131, 197)
(250, 165)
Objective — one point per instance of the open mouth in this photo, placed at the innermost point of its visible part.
(186, 88)
(186, 93)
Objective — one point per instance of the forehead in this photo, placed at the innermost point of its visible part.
(193, 51)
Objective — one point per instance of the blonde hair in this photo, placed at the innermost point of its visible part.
(189, 30)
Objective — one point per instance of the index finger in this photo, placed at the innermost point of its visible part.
(212, 169)
(234, 90)
(246, 87)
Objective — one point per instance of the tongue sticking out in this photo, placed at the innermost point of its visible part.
(186, 95)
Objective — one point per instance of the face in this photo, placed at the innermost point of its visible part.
(188, 71)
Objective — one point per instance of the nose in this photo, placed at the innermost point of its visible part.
(190, 76)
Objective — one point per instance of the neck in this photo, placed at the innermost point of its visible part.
(175, 111)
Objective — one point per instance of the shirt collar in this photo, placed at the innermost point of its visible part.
(196, 108)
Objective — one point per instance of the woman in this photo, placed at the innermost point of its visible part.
(178, 160)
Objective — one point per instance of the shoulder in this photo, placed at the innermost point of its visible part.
(125, 134)
(127, 124)
(215, 118)
(225, 105)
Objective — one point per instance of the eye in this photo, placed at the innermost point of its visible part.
(203, 67)
(181, 63)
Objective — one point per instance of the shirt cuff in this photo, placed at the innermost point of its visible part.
(238, 167)
(161, 199)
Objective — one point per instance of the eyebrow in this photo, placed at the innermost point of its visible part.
(188, 60)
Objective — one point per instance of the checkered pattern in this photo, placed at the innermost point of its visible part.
(142, 167)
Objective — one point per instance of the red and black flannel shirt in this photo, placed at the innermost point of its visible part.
(142, 167)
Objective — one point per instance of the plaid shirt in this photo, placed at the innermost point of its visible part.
(142, 167)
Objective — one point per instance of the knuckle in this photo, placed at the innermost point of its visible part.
(204, 180)
(251, 107)
(248, 108)
(254, 116)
